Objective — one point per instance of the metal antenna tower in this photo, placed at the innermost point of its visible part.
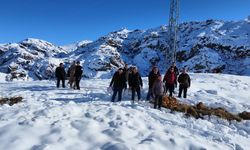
(173, 31)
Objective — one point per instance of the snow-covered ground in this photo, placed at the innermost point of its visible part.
(51, 118)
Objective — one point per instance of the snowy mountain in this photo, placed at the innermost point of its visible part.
(66, 119)
(31, 57)
(72, 47)
(208, 46)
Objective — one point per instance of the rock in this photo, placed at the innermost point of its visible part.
(244, 115)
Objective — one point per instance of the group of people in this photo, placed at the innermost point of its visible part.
(125, 76)
(130, 78)
(74, 74)
(158, 87)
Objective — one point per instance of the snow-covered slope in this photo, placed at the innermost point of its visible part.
(72, 47)
(51, 118)
(208, 46)
(32, 58)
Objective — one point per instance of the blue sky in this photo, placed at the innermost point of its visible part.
(68, 21)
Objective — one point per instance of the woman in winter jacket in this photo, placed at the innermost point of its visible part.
(170, 81)
(152, 77)
(78, 74)
(158, 91)
(72, 74)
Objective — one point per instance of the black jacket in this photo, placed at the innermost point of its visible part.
(60, 73)
(152, 77)
(184, 80)
(118, 80)
(135, 80)
(78, 71)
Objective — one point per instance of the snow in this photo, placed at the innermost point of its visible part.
(2, 76)
(202, 34)
(51, 118)
(72, 47)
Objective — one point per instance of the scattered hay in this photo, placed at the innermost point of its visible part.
(200, 110)
(11, 101)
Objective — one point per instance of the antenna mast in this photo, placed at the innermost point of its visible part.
(173, 31)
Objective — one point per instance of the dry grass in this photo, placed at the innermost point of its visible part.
(11, 101)
(200, 110)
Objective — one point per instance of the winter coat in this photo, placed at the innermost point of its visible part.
(60, 73)
(72, 70)
(118, 80)
(71, 73)
(170, 78)
(158, 88)
(152, 78)
(184, 80)
(135, 80)
(78, 72)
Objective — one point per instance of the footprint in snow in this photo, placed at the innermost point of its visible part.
(115, 146)
(112, 133)
(214, 92)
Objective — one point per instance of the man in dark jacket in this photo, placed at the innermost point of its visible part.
(153, 75)
(185, 82)
(78, 75)
(60, 75)
(135, 83)
(118, 82)
(170, 81)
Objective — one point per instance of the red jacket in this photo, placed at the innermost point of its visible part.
(170, 78)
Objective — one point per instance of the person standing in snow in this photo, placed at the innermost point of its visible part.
(117, 83)
(71, 74)
(60, 75)
(176, 71)
(78, 75)
(170, 80)
(152, 77)
(158, 91)
(135, 83)
(184, 83)
(126, 74)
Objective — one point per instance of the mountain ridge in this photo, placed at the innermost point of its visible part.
(204, 46)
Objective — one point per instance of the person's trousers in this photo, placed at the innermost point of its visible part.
(58, 82)
(158, 101)
(77, 82)
(115, 91)
(170, 88)
(138, 91)
(184, 90)
(150, 93)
